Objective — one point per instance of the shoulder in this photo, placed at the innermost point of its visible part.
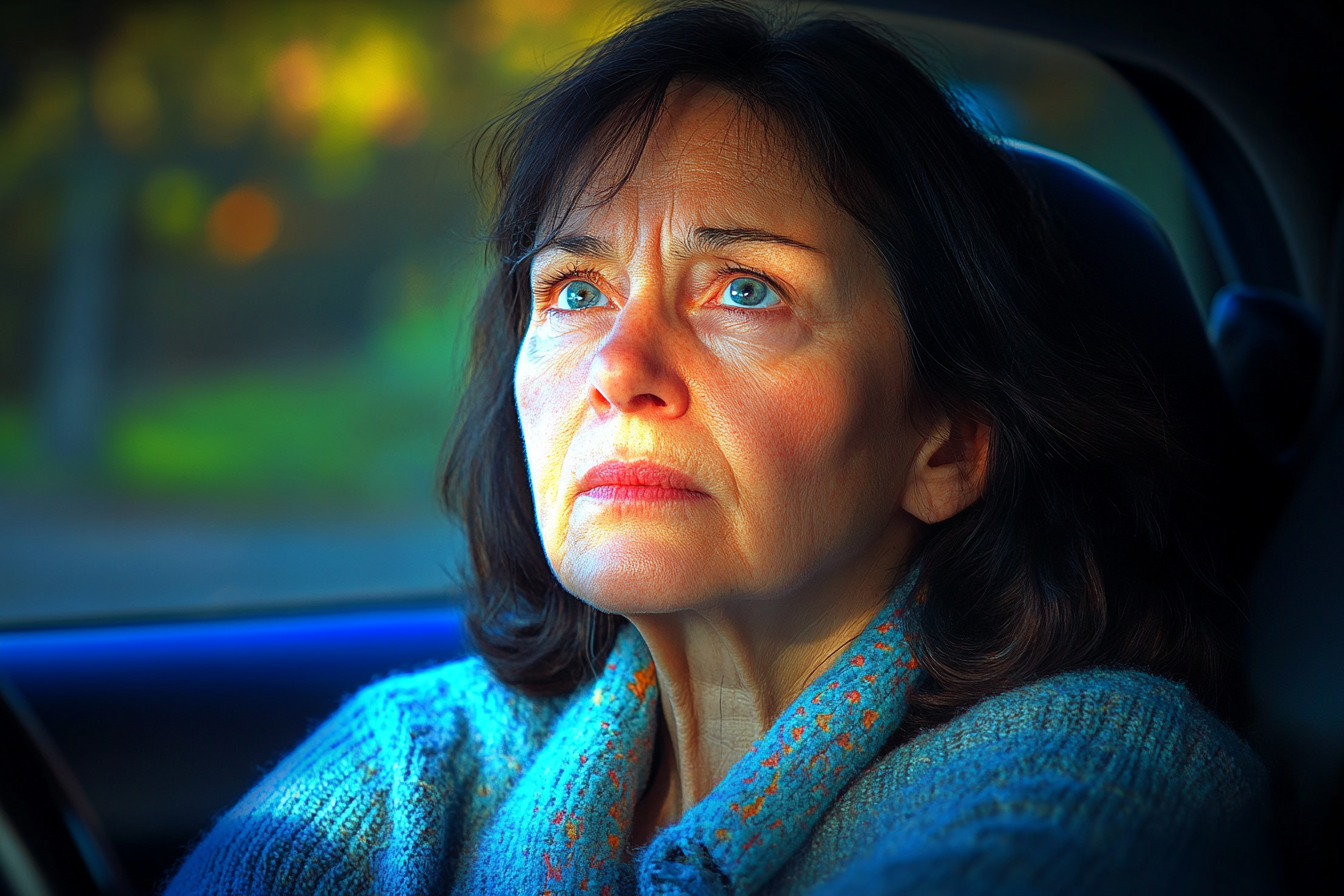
(461, 698)
(1113, 745)
(1104, 780)
(406, 760)
(1101, 731)
(1112, 725)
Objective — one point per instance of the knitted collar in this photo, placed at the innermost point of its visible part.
(564, 827)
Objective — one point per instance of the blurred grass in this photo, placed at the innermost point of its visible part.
(363, 430)
(356, 431)
(17, 439)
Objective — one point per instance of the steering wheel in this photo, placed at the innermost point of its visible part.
(50, 841)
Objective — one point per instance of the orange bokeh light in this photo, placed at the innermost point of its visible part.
(298, 88)
(242, 225)
(401, 119)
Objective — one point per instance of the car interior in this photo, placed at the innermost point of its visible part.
(121, 738)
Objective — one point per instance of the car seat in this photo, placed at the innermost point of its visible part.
(1239, 392)
(1132, 272)
(1268, 344)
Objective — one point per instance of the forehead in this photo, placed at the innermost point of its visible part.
(713, 159)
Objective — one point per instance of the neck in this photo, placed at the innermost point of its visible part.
(727, 672)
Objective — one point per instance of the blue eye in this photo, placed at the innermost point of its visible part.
(748, 292)
(576, 295)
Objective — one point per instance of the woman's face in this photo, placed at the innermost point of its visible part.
(712, 384)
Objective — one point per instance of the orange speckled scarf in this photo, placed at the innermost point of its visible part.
(563, 828)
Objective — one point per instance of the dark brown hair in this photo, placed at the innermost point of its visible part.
(1070, 559)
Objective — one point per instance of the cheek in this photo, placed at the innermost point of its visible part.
(550, 393)
(815, 453)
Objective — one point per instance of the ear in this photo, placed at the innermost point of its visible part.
(948, 473)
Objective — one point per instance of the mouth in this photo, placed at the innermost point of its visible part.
(640, 481)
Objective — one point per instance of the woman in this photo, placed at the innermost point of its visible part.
(822, 546)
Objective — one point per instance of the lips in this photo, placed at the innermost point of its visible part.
(639, 481)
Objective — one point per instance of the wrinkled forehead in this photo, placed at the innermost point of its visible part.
(707, 146)
(705, 130)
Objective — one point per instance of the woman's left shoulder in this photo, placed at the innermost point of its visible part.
(1101, 781)
(1154, 720)
(1103, 728)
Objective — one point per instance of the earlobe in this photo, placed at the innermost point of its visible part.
(948, 472)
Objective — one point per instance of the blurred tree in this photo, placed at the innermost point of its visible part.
(74, 385)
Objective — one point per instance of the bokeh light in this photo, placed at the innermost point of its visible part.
(172, 204)
(125, 101)
(243, 224)
(297, 87)
(374, 88)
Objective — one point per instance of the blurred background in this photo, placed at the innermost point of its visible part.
(239, 243)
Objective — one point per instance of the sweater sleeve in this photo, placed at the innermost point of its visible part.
(1099, 782)
(364, 805)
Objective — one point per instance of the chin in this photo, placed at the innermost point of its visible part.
(629, 579)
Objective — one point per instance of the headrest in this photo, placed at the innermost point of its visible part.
(1131, 270)
(1269, 346)
(1132, 273)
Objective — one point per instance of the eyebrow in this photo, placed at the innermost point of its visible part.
(717, 238)
(700, 240)
(580, 244)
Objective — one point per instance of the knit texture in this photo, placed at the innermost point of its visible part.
(563, 827)
(448, 781)
(1097, 782)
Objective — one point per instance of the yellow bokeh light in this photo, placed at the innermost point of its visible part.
(343, 96)
(243, 224)
(374, 87)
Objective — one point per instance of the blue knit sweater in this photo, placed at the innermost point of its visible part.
(1104, 781)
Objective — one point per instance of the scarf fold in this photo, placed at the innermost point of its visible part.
(564, 827)
(735, 839)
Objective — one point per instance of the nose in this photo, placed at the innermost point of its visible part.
(633, 370)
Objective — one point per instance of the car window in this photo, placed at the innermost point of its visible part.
(238, 248)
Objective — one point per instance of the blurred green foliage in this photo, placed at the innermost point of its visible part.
(360, 430)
